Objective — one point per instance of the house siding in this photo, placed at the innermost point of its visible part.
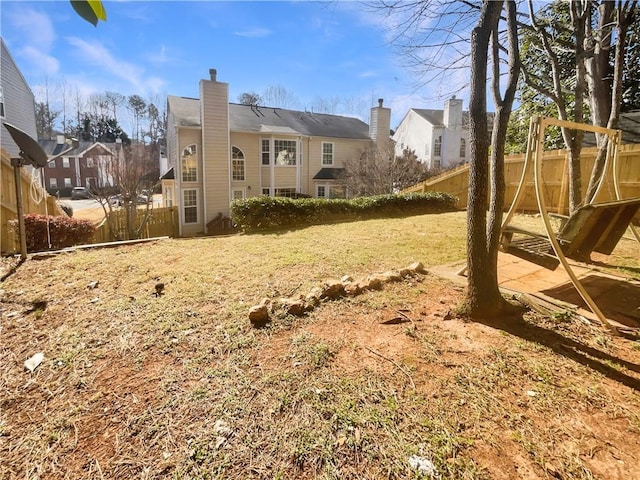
(19, 102)
(190, 136)
(215, 148)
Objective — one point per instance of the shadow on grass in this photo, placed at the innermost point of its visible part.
(569, 348)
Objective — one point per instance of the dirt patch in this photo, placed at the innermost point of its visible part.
(353, 390)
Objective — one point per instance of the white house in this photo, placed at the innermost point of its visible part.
(439, 138)
(219, 151)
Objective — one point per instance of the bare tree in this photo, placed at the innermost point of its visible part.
(483, 297)
(377, 170)
(128, 180)
(433, 36)
(279, 97)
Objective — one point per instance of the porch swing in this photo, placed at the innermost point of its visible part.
(592, 227)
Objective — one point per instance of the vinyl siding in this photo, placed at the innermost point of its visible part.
(215, 147)
(19, 102)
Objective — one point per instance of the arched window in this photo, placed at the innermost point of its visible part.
(190, 164)
(237, 164)
(437, 147)
(463, 148)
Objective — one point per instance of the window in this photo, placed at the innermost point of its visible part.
(51, 164)
(189, 164)
(285, 192)
(67, 183)
(266, 191)
(65, 162)
(435, 164)
(238, 194)
(437, 147)
(463, 148)
(237, 164)
(1, 103)
(190, 205)
(337, 191)
(53, 183)
(285, 152)
(331, 191)
(90, 163)
(265, 152)
(327, 153)
(168, 197)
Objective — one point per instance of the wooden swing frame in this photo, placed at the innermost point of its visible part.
(602, 234)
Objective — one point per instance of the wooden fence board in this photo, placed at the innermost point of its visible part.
(456, 182)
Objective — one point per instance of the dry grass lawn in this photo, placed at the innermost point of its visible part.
(180, 386)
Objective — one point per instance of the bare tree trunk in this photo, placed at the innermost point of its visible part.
(483, 296)
(624, 17)
(499, 134)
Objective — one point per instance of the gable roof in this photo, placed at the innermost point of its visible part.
(52, 148)
(259, 119)
(248, 118)
(436, 117)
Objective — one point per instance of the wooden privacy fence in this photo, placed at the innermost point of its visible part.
(160, 222)
(8, 209)
(556, 178)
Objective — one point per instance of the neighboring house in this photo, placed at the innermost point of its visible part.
(221, 151)
(87, 165)
(439, 138)
(17, 103)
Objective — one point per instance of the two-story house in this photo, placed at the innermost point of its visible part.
(439, 138)
(221, 151)
(87, 165)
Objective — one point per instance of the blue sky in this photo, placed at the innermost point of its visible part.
(337, 50)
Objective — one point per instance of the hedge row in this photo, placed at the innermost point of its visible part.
(64, 231)
(264, 213)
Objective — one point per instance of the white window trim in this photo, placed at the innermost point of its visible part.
(68, 184)
(322, 153)
(275, 153)
(3, 107)
(322, 185)
(66, 162)
(244, 165)
(197, 205)
(243, 191)
(53, 182)
(182, 180)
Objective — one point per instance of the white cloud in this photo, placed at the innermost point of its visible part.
(368, 74)
(159, 58)
(45, 63)
(257, 32)
(37, 27)
(100, 57)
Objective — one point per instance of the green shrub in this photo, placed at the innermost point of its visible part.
(264, 213)
(63, 231)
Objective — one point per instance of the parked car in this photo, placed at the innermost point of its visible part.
(119, 200)
(78, 193)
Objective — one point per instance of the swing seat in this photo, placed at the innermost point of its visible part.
(594, 227)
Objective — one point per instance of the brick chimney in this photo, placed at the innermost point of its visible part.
(380, 123)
